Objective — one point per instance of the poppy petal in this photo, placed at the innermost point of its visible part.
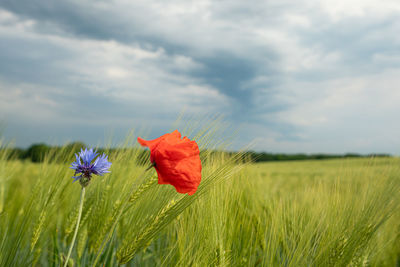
(177, 161)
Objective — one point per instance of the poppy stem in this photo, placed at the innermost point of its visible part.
(77, 225)
(153, 164)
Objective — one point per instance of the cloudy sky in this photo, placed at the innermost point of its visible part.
(291, 76)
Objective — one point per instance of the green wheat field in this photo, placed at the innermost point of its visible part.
(343, 212)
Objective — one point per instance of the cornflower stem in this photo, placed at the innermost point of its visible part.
(77, 226)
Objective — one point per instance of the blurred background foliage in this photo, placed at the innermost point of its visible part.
(37, 152)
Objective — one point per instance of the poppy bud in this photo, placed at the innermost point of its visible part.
(176, 160)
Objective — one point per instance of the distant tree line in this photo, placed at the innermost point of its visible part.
(264, 156)
(39, 152)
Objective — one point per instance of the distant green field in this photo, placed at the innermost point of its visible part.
(311, 213)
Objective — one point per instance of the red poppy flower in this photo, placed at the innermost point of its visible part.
(176, 160)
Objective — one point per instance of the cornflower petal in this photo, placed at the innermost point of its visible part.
(83, 164)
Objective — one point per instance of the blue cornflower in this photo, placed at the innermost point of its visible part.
(84, 166)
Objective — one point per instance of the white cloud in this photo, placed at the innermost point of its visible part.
(361, 112)
(341, 9)
(130, 77)
(26, 103)
(320, 75)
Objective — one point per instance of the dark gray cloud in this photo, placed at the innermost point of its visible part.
(227, 71)
(229, 74)
(81, 18)
(287, 72)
